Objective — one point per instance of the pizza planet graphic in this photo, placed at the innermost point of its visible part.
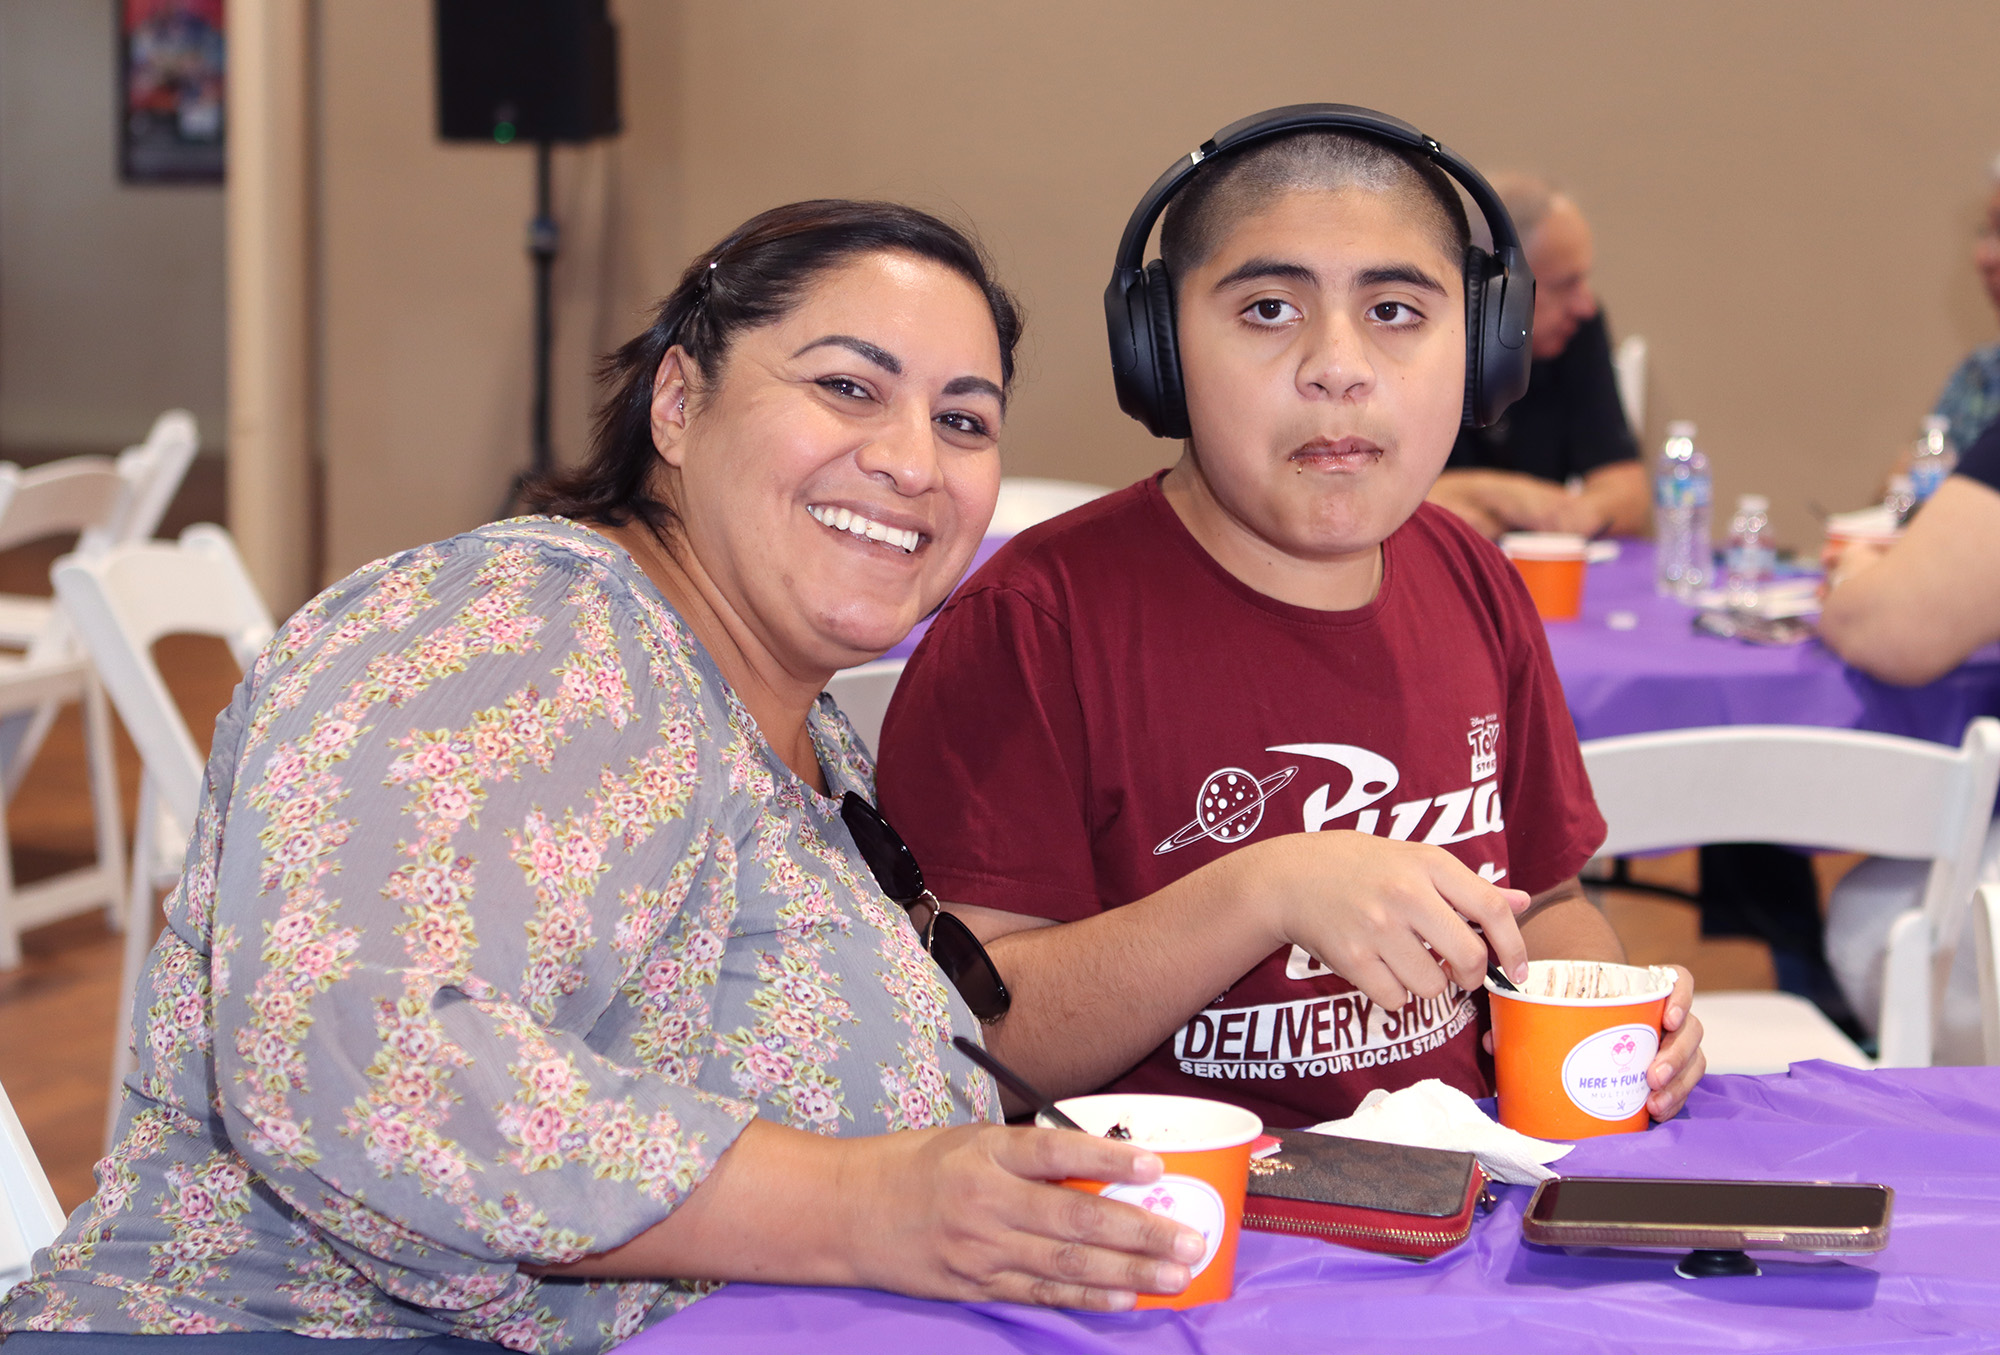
(1186, 1200)
(1605, 1074)
(1228, 807)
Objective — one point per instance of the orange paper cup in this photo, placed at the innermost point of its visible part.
(1206, 1148)
(1551, 564)
(1575, 1067)
(1875, 526)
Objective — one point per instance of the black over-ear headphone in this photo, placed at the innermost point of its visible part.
(1139, 303)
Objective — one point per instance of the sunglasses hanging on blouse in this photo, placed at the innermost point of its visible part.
(950, 942)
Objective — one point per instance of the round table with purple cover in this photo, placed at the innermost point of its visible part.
(1932, 1134)
(1660, 674)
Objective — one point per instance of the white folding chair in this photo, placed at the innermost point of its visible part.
(863, 692)
(83, 495)
(1986, 942)
(1628, 364)
(30, 1218)
(102, 511)
(1026, 500)
(1829, 788)
(121, 603)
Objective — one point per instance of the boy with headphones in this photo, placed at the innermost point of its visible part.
(1267, 725)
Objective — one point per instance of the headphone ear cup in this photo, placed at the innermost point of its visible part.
(1475, 334)
(1170, 415)
(1500, 359)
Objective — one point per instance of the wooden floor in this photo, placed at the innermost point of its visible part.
(56, 1010)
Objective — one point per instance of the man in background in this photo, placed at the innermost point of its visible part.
(1562, 459)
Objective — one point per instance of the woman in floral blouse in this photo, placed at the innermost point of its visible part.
(523, 981)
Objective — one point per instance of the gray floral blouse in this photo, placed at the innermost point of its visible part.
(499, 921)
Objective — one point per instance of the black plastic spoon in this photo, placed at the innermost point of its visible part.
(1015, 1082)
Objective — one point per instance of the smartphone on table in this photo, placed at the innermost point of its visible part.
(1805, 1216)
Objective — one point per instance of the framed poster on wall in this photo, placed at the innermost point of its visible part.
(171, 60)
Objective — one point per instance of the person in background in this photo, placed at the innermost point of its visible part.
(1908, 614)
(1971, 397)
(528, 976)
(1563, 458)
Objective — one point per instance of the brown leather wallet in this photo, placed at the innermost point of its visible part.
(1381, 1197)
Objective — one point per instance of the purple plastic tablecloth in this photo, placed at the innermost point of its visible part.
(1662, 675)
(1933, 1134)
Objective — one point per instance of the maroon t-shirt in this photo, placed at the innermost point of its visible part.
(1103, 709)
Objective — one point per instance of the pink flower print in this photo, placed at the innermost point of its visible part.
(438, 1164)
(415, 1040)
(390, 1134)
(450, 802)
(543, 1129)
(796, 990)
(1158, 1201)
(299, 846)
(771, 1069)
(552, 1079)
(300, 809)
(704, 948)
(437, 761)
(285, 769)
(528, 727)
(188, 1011)
(545, 857)
(676, 1029)
(815, 1104)
(197, 1204)
(579, 853)
(491, 747)
(559, 929)
(314, 959)
(282, 1134)
(615, 1141)
(915, 1107)
(193, 1324)
(331, 737)
(796, 1025)
(442, 935)
(410, 1085)
(662, 976)
(228, 1177)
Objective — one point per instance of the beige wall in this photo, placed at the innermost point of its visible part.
(111, 305)
(1784, 196)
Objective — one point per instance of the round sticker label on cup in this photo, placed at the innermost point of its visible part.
(1184, 1199)
(1605, 1074)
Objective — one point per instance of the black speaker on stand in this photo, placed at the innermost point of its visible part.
(536, 72)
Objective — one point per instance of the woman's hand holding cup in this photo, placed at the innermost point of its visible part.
(972, 1214)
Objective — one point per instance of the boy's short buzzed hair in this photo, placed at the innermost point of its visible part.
(1323, 161)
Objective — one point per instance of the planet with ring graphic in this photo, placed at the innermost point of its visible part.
(1228, 807)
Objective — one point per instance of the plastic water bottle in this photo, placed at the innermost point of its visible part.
(1933, 458)
(1901, 498)
(1684, 553)
(1751, 559)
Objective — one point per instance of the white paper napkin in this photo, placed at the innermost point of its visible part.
(1433, 1115)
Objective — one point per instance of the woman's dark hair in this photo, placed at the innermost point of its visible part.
(754, 277)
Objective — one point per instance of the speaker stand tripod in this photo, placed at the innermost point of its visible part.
(543, 240)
